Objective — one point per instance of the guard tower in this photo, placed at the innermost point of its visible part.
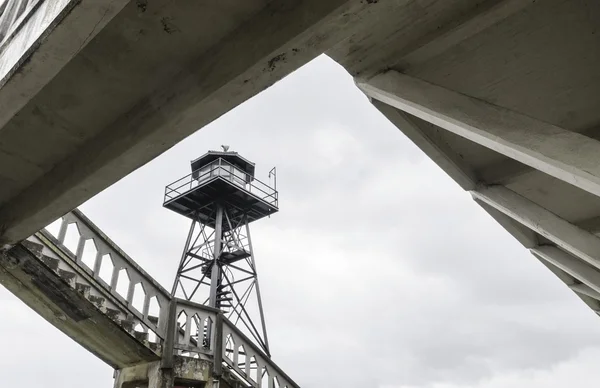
(222, 197)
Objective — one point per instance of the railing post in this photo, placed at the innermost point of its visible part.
(218, 352)
(62, 233)
(169, 344)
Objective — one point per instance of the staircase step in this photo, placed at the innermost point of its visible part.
(34, 248)
(113, 315)
(156, 347)
(69, 277)
(99, 302)
(51, 262)
(83, 289)
(128, 325)
(142, 337)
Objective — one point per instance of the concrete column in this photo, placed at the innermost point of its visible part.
(160, 378)
(153, 375)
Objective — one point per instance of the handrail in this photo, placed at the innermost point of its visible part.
(220, 328)
(220, 168)
(202, 339)
(120, 261)
(203, 331)
(248, 343)
(114, 246)
(13, 16)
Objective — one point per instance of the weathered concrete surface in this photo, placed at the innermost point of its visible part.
(157, 72)
(54, 32)
(186, 371)
(68, 310)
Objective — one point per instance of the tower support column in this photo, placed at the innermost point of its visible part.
(216, 276)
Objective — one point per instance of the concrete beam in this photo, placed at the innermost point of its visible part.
(582, 289)
(504, 172)
(404, 34)
(591, 224)
(276, 41)
(47, 41)
(580, 270)
(436, 150)
(509, 171)
(523, 234)
(569, 237)
(67, 309)
(566, 155)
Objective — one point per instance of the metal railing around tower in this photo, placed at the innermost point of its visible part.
(221, 169)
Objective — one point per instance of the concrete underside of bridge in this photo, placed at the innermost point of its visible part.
(502, 94)
(70, 309)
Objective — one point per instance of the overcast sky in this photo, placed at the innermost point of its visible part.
(378, 271)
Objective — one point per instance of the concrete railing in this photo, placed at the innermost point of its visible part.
(249, 362)
(201, 330)
(22, 25)
(182, 327)
(195, 329)
(94, 253)
(13, 13)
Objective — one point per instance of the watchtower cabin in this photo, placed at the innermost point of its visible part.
(226, 178)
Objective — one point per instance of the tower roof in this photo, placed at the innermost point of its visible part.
(230, 156)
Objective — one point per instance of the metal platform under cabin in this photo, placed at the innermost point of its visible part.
(200, 202)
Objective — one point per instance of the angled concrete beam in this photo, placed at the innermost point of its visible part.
(51, 35)
(566, 155)
(580, 270)
(583, 289)
(569, 237)
(508, 171)
(437, 151)
(523, 234)
(591, 224)
(504, 172)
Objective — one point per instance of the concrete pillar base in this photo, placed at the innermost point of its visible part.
(186, 372)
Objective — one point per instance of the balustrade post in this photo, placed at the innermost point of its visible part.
(218, 351)
(169, 343)
(62, 233)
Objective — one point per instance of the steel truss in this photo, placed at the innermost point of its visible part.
(217, 269)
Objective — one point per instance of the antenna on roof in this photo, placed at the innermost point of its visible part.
(225, 148)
